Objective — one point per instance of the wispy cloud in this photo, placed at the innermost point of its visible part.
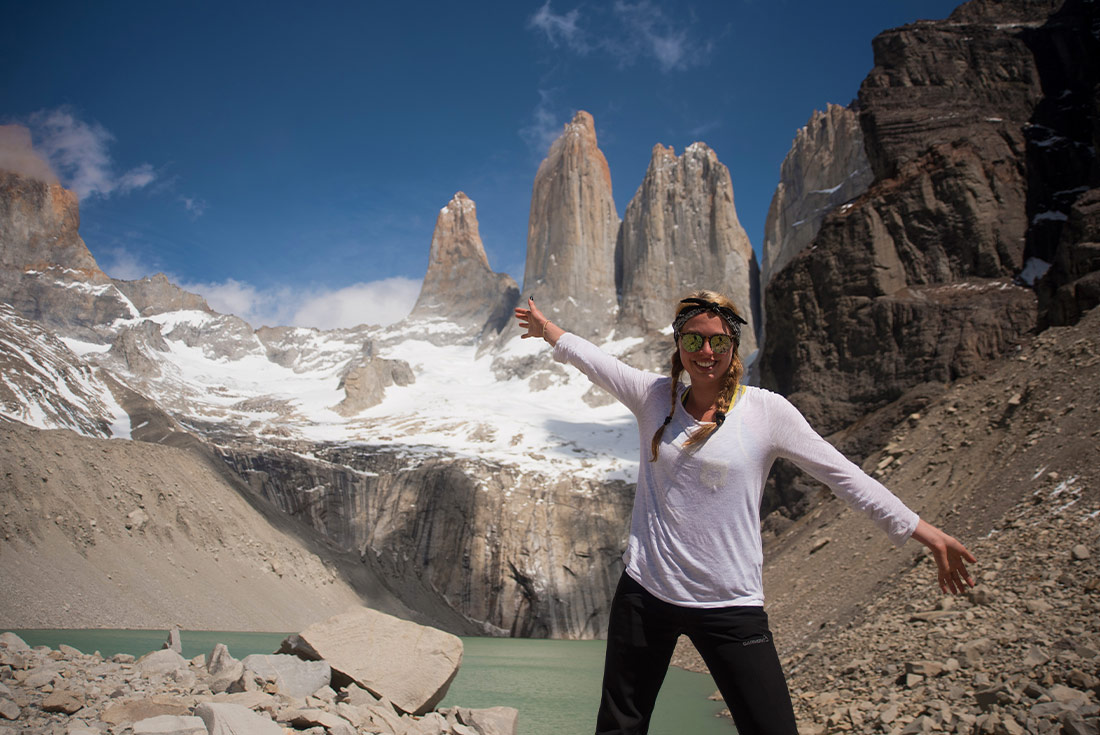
(629, 32)
(77, 151)
(545, 124)
(377, 302)
(648, 33)
(560, 29)
(194, 206)
(120, 263)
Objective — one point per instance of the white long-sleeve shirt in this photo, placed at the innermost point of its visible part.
(695, 530)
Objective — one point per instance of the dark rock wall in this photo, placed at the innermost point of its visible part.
(911, 281)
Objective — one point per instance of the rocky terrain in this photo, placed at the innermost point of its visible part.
(1009, 464)
(361, 671)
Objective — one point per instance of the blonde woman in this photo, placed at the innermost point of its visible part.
(693, 559)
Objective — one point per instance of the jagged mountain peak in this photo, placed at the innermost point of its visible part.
(460, 289)
(572, 232)
(681, 233)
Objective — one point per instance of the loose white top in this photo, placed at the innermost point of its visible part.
(695, 531)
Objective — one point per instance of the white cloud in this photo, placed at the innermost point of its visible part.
(628, 32)
(647, 32)
(195, 206)
(377, 302)
(77, 152)
(560, 29)
(122, 264)
(545, 126)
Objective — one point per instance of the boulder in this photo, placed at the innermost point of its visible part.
(163, 661)
(12, 642)
(170, 725)
(335, 724)
(224, 670)
(291, 675)
(411, 665)
(232, 719)
(64, 701)
(490, 721)
(126, 711)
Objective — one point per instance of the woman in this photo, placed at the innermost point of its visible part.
(694, 556)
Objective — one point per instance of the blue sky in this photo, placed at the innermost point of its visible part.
(288, 161)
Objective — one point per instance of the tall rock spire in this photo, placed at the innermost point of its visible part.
(571, 233)
(825, 168)
(681, 233)
(460, 286)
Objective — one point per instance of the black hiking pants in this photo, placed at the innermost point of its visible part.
(734, 642)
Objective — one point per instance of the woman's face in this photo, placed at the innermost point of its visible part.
(703, 365)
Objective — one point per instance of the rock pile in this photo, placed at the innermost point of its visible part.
(1019, 654)
(45, 691)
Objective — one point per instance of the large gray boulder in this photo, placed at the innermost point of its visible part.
(170, 725)
(291, 675)
(411, 665)
(232, 719)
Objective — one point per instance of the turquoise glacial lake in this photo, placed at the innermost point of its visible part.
(555, 685)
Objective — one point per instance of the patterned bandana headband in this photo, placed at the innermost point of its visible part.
(728, 315)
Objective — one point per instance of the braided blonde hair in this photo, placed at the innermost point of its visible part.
(730, 381)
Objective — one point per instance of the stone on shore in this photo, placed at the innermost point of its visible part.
(127, 711)
(170, 725)
(222, 718)
(63, 700)
(174, 642)
(290, 675)
(164, 661)
(411, 665)
(224, 670)
(491, 721)
(335, 724)
(12, 642)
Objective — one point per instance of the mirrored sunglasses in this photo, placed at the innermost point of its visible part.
(719, 343)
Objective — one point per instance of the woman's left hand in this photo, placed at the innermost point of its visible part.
(950, 556)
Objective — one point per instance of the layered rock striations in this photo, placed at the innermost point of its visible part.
(459, 286)
(515, 553)
(825, 168)
(681, 233)
(571, 234)
(910, 282)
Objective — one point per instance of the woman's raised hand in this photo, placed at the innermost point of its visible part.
(536, 324)
(531, 319)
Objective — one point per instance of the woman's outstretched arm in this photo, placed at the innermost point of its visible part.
(536, 324)
(950, 556)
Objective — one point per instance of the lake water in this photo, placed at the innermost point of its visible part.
(555, 685)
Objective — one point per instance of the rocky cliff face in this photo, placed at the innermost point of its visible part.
(459, 286)
(572, 232)
(942, 114)
(46, 271)
(681, 233)
(825, 168)
(516, 553)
